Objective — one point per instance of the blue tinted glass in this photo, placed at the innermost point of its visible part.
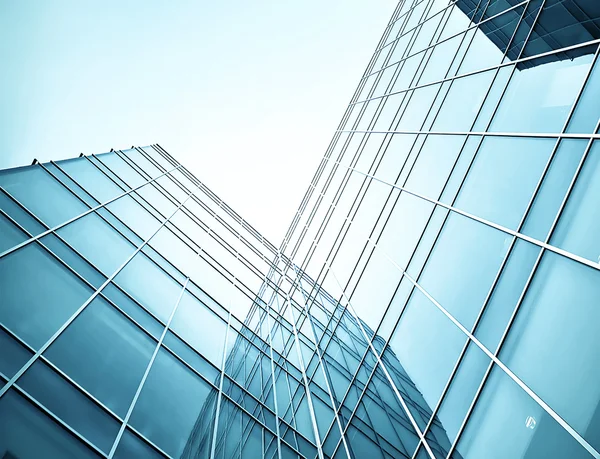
(579, 223)
(427, 344)
(98, 242)
(587, 110)
(554, 187)
(554, 341)
(434, 164)
(510, 423)
(105, 353)
(192, 316)
(20, 215)
(528, 106)
(35, 307)
(506, 293)
(150, 285)
(121, 168)
(70, 405)
(10, 235)
(131, 446)
(27, 433)
(172, 403)
(136, 217)
(462, 267)
(87, 175)
(42, 194)
(503, 177)
(13, 355)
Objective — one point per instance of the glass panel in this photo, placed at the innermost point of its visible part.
(528, 106)
(13, 355)
(511, 424)
(554, 187)
(134, 216)
(553, 344)
(98, 242)
(506, 293)
(587, 111)
(191, 317)
(462, 266)
(91, 178)
(579, 223)
(131, 446)
(70, 405)
(38, 191)
(427, 346)
(150, 285)
(105, 353)
(35, 307)
(503, 177)
(10, 234)
(174, 407)
(28, 433)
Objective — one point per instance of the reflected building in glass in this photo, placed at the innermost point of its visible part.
(435, 296)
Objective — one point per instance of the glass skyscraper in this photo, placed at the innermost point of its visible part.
(437, 294)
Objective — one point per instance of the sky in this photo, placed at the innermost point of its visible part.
(245, 94)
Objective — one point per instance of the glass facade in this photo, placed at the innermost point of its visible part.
(436, 294)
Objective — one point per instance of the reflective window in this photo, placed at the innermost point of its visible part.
(35, 307)
(200, 327)
(42, 194)
(27, 433)
(105, 353)
(70, 405)
(172, 403)
(150, 285)
(92, 179)
(10, 234)
(135, 216)
(462, 267)
(554, 188)
(503, 177)
(427, 344)
(587, 110)
(509, 423)
(528, 106)
(131, 446)
(579, 223)
(13, 356)
(555, 338)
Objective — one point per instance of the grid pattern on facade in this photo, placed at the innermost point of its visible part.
(434, 296)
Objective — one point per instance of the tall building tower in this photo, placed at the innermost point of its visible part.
(436, 295)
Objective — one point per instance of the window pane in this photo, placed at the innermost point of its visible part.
(462, 267)
(10, 235)
(150, 285)
(13, 355)
(173, 402)
(38, 191)
(91, 178)
(503, 177)
(105, 353)
(131, 446)
(512, 425)
(577, 229)
(554, 343)
(192, 316)
(28, 433)
(35, 307)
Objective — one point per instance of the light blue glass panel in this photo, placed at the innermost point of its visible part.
(200, 328)
(131, 446)
(417, 108)
(42, 194)
(35, 307)
(70, 405)
(462, 267)
(96, 240)
(506, 293)
(508, 423)
(150, 285)
(462, 103)
(88, 176)
(528, 106)
(553, 189)
(136, 217)
(434, 164)
(105, 353)
(10, 234)
(579, 224)
(173, 401)
(28, 433)
(427, 344)
(126, 173)
(587, 110)
(503, 177)
(554, 343)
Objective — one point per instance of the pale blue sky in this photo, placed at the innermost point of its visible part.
(246, 94)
